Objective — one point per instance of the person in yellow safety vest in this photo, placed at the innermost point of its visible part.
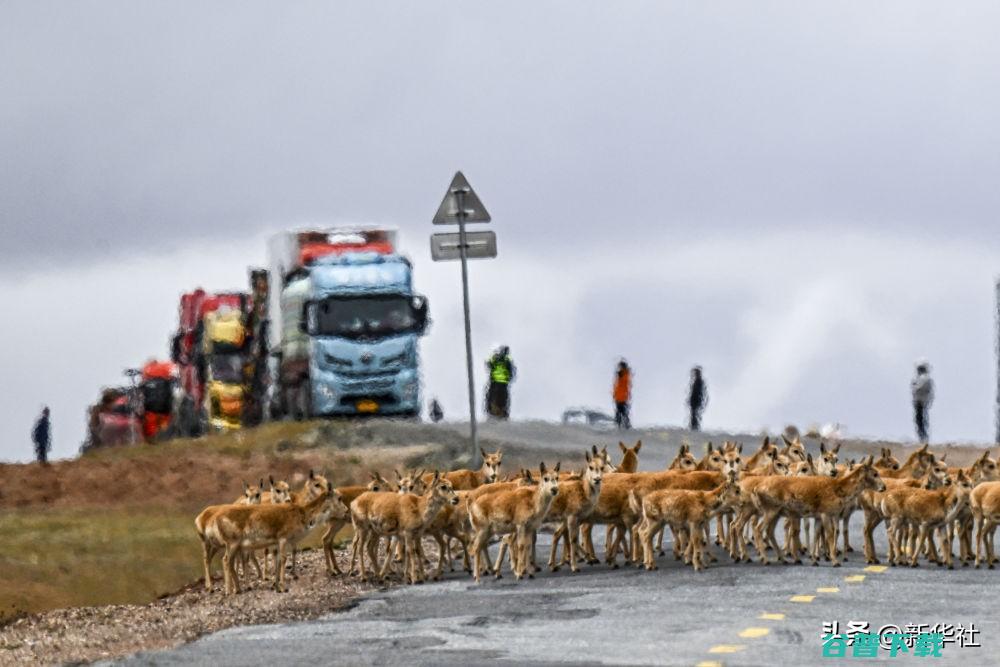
(502, 373)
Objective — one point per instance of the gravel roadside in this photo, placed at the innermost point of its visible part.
(87, 634)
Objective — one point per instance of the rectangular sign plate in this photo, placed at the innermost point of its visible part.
(478, 245)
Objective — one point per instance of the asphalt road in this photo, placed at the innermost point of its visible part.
(731, 614)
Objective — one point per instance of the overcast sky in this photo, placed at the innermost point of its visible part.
(800, 196)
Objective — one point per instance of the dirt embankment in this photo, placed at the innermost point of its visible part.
(194, 473)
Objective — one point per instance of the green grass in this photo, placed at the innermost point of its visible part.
(51, 559)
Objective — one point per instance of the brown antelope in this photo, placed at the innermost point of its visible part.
(280, 492)
(747, 512)
(921, 511)
(821, 497)
(985, 504)
(251, 496)
(519, 512)
(575, 500)
(916, 466)
(793, 449)
(886, 462)
(463, 480)
(334, 526)
(687, 513)
(402, 515)
(684, 460)
(251, 527)
(630, 457)
(983, 469)
(760, 457)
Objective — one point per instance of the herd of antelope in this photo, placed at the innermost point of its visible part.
(923, 502)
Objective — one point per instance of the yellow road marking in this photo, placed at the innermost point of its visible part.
(876, 568)
(855, 578)
(709, 663)
(802, 598)
(828, 589)
(753, 633)
(772, 617)
(726, 648)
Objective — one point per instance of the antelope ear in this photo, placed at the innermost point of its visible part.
(822, 447)
(541, 466)
(593, 448)
(709, 447)
(943, 457)
(260, 483)
(398, 476)
(638, 446)
(498, 454)
(809, 458)
(437, 476)
(621, 446)
(788, 443)
(836, 450)
(740, 448)
(483, 452)
(587, 456)
(558, 463)
(246, 487)
(767, 441)
(312, 475)
(868, 460)
(270, 478)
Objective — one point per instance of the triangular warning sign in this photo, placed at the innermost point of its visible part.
(447, 213)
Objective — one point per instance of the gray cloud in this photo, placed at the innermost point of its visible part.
(134, 125)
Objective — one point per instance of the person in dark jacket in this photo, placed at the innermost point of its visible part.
(697, 397)
(435, 411)
(40, 435)
(922, 388)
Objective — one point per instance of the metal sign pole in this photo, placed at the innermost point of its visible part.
(460, 200)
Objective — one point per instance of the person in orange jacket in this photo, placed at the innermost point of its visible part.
(622, 395)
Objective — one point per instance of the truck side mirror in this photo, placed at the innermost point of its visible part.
(420, 312)
(308, 322)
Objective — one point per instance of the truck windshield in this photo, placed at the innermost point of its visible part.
(357, 317)
(226, 368)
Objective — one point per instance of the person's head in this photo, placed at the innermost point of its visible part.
(923, 368)
(504, 350)
(622, 365)
(696, 372)
(45, 411)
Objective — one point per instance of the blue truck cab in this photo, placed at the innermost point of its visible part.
(349, 328)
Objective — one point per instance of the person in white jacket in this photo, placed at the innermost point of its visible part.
(922, 388)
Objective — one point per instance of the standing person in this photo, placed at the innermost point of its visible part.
(502, 373)
(697, 397)
(435, 412)
(621, 392)
(922, 388)
(40, 435)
